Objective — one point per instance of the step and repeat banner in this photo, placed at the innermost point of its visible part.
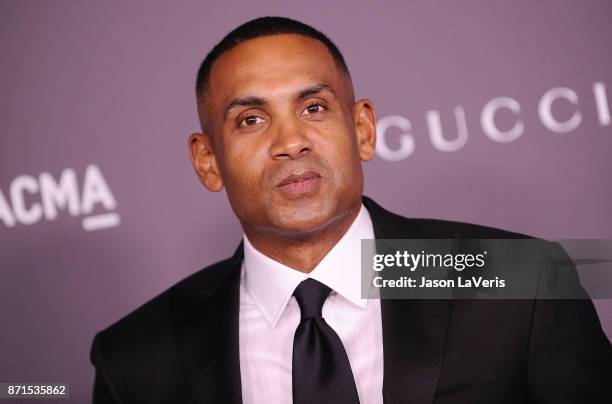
(490, 112)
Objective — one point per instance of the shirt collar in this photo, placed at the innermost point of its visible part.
(271, 284)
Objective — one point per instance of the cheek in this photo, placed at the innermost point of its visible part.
(351, 172)
(241, 177)
(242, 167)
(342, 153)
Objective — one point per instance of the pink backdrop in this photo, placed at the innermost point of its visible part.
(100, 209)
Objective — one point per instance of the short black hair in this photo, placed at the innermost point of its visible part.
(259, 27)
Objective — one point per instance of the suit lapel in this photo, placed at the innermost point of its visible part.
(205, 312)
(414, 331)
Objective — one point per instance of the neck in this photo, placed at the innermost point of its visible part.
(303, 252)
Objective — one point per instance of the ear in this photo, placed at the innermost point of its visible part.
(204, 161)
(364, 116)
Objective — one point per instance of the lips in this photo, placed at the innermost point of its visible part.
(293, 178)
(299, 183)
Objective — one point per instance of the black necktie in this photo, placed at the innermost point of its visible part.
(321, 370)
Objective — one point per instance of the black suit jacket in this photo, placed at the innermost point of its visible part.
(182, 346)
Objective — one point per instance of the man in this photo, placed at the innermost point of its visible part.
(283, 319)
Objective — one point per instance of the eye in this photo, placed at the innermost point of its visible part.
(250, 120)
(314, 108)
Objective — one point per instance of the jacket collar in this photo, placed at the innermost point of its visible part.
(414, 331)
(205, 310)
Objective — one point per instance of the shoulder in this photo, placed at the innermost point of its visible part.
(455, 229)
(148, 326)
(391, 225)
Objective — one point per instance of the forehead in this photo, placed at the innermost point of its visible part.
(271, 64)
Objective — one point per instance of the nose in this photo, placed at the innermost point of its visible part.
(291, 141)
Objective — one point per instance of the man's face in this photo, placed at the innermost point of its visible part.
(285, 136)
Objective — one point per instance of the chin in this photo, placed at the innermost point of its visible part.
(306, 221)
(302, 220)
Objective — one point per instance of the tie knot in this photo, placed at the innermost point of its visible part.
(310, 295)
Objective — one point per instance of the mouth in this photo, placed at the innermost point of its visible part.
(300, 183)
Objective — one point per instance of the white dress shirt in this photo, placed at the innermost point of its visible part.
(269, 316)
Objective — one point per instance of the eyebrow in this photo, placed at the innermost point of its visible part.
(314, 90)
(253, 101)
(243, 102)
